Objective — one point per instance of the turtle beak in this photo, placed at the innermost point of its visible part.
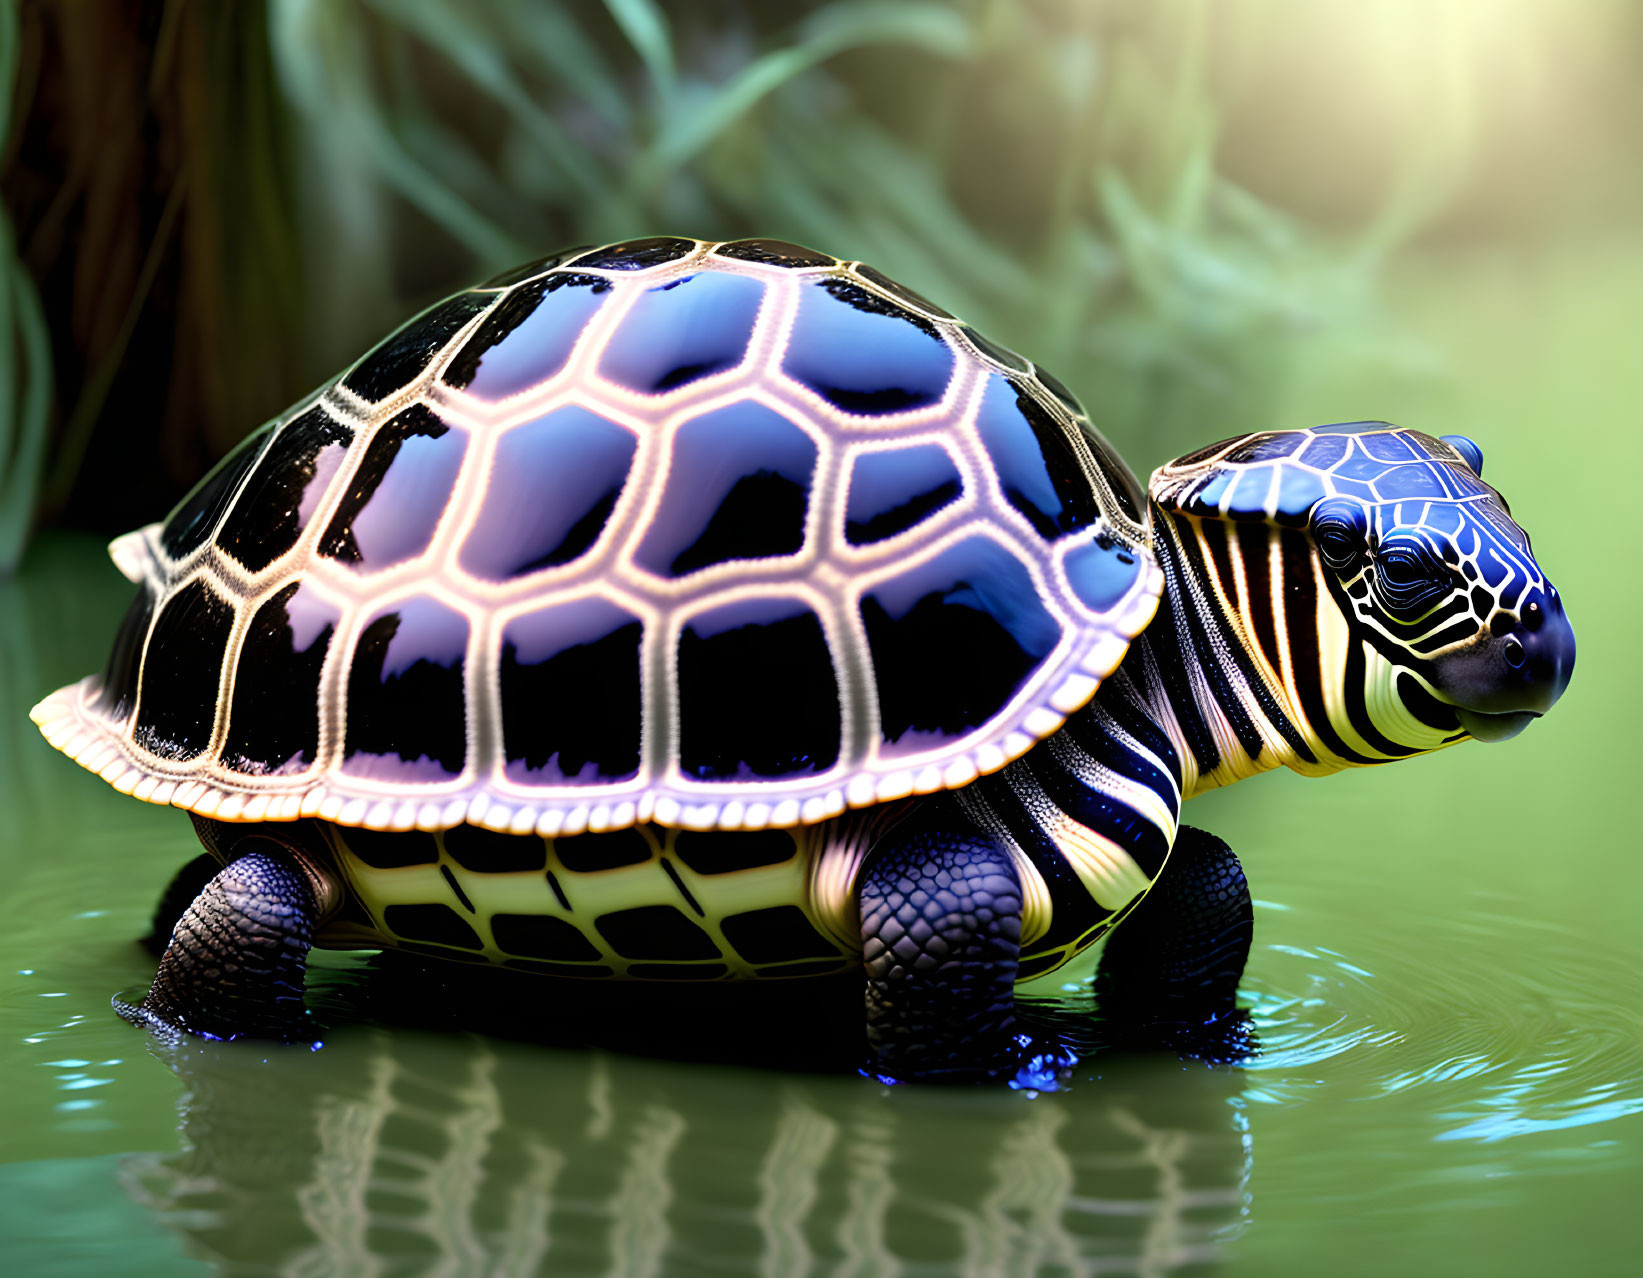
(1518, 671)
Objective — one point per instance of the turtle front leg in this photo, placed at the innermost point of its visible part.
(941, 941)
(237, 957)
(1169, 975)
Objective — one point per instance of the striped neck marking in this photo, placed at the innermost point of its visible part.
(1260, 666)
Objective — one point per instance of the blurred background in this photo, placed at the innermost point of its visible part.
(1175, 205)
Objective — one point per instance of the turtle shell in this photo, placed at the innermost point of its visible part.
(723, 535)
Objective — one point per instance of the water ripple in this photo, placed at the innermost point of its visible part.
(1526, 1028)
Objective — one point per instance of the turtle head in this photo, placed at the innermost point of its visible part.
(1450, 590)
(1412, 610)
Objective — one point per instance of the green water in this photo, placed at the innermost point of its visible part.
(1446, 977)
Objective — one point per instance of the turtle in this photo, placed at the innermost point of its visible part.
(687, 610)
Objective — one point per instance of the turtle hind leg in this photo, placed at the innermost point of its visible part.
(235, 964)
(941, 941)
(1169, 975)
(179, 894)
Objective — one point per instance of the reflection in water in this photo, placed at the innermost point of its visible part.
(397, 1150)
(391, 1150)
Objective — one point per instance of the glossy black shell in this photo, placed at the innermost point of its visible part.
(731, 535)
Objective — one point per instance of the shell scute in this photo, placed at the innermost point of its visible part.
(864, 354)
(550, 494)
(1410, 482)
(906, 296)
(637, 255)
(406, 699)
(409, 351)
(738, 487)
(542, 936)
(1268, 447)
(892, 490)
(119, 687)
(758, 696)
(953, 639)
(274, 718)
(1058, 391)
(1390, 447)
(1119, 481)
(576, 551)
(1003, 356)
(1297, 491)
(775, 934)
(681, 331)
(773, 253)
(1351, 428)
(1249, 494)
(1362, 466)
(191, 523)
(486, 852)
(571, 694)
(431, 924)
(282, 494)
(1035, 460)
(655, 932)
(529, 337)
(595, 853)
(530, 270)
(397, 496)
(1324, 451)
(1102, 572)
(177, 702)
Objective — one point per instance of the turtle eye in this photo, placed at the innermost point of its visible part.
(1400, 569)
(1407, 578)
(1340, 529)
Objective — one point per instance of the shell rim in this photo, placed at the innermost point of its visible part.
(69, 724)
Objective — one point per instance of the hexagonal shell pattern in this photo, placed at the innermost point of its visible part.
(428, 452)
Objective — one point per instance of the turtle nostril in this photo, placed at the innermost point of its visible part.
(1513, 652)
(1534, 617)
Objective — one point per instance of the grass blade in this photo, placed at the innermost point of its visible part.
(832, 31)
(646, 27)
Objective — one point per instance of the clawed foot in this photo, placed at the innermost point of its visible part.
(295, 1032)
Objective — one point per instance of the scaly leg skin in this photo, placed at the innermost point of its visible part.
(235, 965)
(941, 941)
(179, 894)
(1169, 976)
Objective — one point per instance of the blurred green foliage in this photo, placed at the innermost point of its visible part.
(1044, 169)
(223, 204)
(25, 356)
